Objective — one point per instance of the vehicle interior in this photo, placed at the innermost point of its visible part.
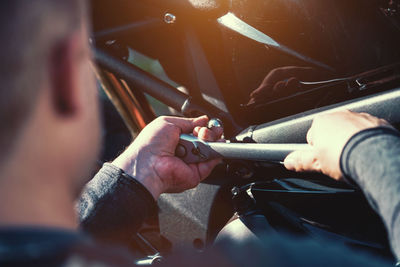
(265, 69)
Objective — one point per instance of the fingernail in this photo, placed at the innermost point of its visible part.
(289, 163)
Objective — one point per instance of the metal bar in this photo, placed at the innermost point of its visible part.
(117, 98)
(258, 152)
(160, 90)
(192, 150)
(142, 80)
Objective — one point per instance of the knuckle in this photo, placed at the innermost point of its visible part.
(161, 120)
(316, 165)
(343, 112)
(174, 128)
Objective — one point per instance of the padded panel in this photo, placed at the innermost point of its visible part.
(197, 214)
(293, 129)
(184, 217)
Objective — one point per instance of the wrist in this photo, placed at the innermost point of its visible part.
(129, 162)
(151, 185)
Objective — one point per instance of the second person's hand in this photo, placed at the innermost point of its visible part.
(327, 137)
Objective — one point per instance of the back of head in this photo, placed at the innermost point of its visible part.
(29, 30)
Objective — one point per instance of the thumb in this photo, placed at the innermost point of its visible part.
(302, 161)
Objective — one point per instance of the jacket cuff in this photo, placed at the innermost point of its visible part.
(137, 187)
(354, 141)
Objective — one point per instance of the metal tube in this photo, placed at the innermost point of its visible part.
(192, 150)
(258, 152)
(141, 80)
(160, 90)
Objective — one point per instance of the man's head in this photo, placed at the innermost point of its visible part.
(48, 103)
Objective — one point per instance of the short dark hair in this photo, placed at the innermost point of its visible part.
(28, 29)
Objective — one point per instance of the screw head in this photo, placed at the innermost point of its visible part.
(169, 18)
(214, 123)
(235, 191)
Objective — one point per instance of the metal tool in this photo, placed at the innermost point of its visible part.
(192, 150)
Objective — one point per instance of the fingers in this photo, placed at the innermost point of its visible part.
(302, 161)
(206, 134)
(263, 91)
(205, 168)
(278, 87)
(255, 93)
(292, 86)
(284, 81)
(187, 124)
(284, 73)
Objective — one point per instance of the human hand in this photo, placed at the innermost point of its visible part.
(327, 137)
(151, 157)
(284, 81)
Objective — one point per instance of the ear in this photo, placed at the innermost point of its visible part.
(63, 68)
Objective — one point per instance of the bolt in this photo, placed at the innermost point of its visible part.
(235, 191)
(214, 123)
(169, 18)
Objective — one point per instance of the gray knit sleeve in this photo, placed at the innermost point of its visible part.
(371, 159)
(114, 205)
